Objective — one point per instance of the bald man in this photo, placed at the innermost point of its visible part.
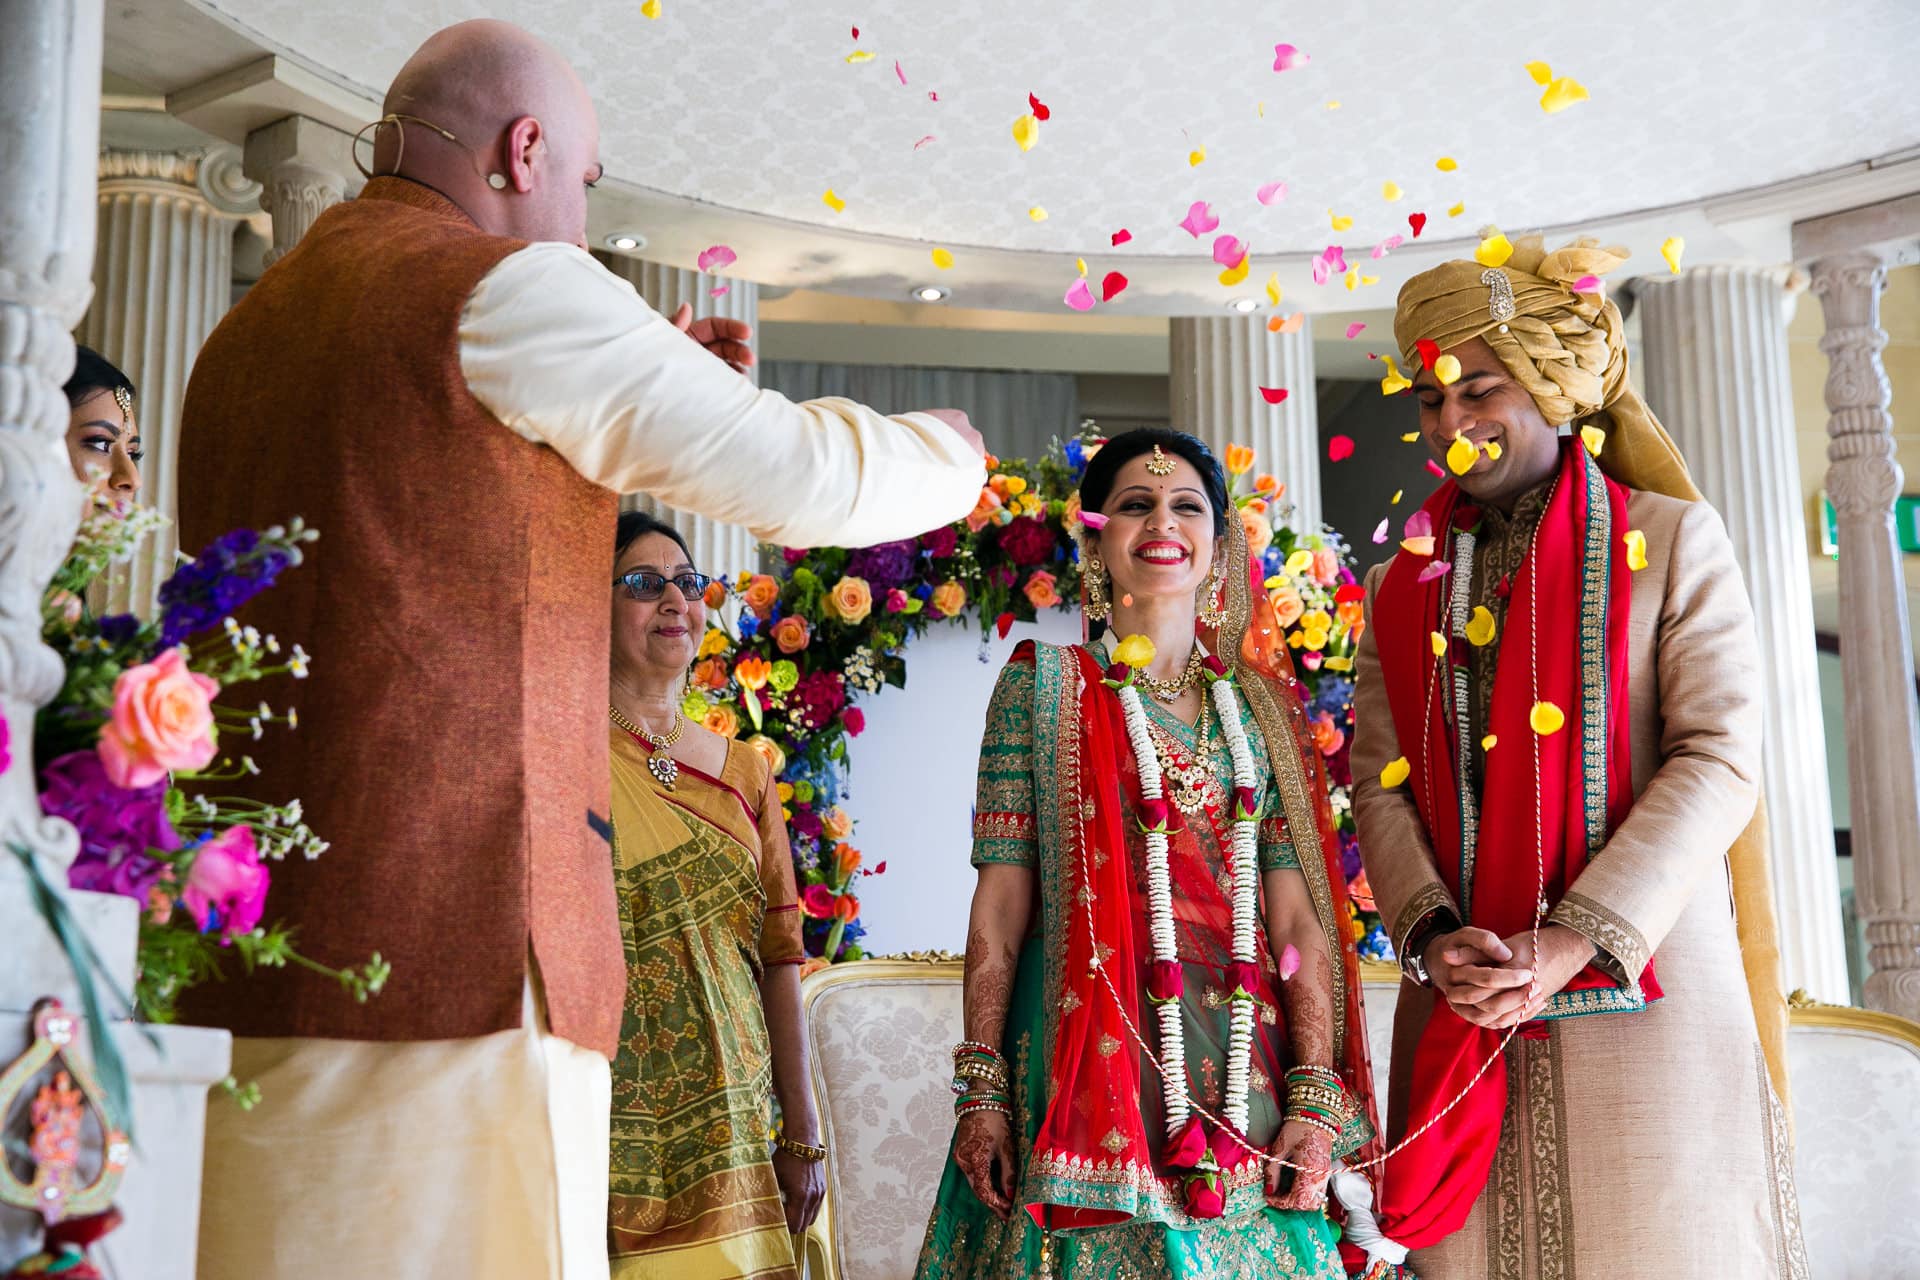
(441, 380)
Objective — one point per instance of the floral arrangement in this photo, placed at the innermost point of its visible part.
(130, 753)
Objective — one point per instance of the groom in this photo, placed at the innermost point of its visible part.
(442, 381)
(1557, 739)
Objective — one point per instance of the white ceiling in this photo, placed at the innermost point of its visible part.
(729, 121)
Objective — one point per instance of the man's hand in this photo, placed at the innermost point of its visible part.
(1470, 967)
(724, 338)
(958, 421)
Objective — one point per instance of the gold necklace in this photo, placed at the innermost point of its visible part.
(1170, 690)
(1195, 784)
(660, 764)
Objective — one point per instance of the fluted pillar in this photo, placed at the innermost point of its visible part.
(716, 547)
(1220, 363)
(1714, 345)
(163, 277)
(1876, 652)
(304, 168)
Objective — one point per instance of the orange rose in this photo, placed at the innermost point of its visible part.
(1040, 590)
(949, 598)
(836, 824)
(762, 593)
(710, 673)
(851, 600)
(1259, 532)
(1239, 459)
(722, 720)
(982, 514)
(1287, 605)
(1070, 514)
(1326, 567)
(791, 634)
(1327, 736)
(771, 752)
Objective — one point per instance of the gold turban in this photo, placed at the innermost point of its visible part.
(1569, 351)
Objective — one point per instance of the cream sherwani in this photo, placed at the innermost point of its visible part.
(1646, 1144)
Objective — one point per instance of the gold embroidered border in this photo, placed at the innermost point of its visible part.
(1595, 576)
(1003, 826)
(1552, 1172)
(1506, 1206)
(1789, 1241)
(1427, 899)
(1609, 931)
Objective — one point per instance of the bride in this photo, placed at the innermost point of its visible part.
(1164, 1049)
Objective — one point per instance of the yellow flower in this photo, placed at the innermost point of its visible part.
(713, 643)
(721, 719)
(851, 600)
(1239, 459)
(949, 598)
(776, 758)
(1316, 620)
(1135, 651)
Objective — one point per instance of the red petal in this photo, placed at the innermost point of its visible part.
(1418, 222)
(881, 867)
(1274, 395)
(1339, 449)
(1349, 593)
(856, 33)
(1040, 111)
(1429, 352)
(1004, 623)
(1112, 286)
(1121, 236)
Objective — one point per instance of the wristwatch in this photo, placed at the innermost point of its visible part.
(1414, 963)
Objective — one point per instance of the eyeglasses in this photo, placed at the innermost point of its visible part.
(643, 584)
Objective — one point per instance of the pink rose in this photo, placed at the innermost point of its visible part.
(227, 885)
(817, 901)
(1228, 1151)
(854, 720)
(1206, 1196)
(1326, 567)
(1041, 590)
(1166, 980)
(162, 720)
(1188, 1145)
(896, 601)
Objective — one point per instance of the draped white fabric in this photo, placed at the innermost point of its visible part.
(1019, 413)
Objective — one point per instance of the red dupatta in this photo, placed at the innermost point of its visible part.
(1568, 610)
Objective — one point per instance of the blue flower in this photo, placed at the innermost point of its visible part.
(749, 624)
(233, 569)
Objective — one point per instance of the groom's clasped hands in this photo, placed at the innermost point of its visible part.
(1489, 980)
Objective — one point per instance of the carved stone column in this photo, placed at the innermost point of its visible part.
(304, 168)
(1876, 652)
(1220, 363)
(1715, 358)
(716, 547)
(162, 276)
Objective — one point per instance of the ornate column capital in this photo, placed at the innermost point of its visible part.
(213, 173)
(306, 167)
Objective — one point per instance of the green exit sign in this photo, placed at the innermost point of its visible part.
(1906, 525)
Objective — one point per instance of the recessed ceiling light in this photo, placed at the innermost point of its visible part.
(930, 293)
(626, 241)
(1245, 306)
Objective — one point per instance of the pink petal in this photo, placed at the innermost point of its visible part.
(1419, 525)
(1320, 272)
(1434, 569)
(1079, 297)
(717, 258)
(1380, 533)
(1272, 193)
(1200, 220)
(923, 142)
(718, 289)
(1353, 330)
(1274, 395)
(1286, 58)
(932, 96)
(1433, 468)
(898, 72)
(1587, 284)
(1391, 242)
(1289, 962)
(1121, 236)
(1339, 449)
(1092, 519)
(1228, 250)
(1336, 257)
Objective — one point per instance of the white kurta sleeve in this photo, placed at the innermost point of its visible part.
(565, 353)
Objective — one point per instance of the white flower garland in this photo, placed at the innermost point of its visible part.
(1245, 871)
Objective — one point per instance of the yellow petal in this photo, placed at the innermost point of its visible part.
(1299, 562)
(1446, 164)
(1636, 549)
(833, 201)
(1393, 383)
(1341, 222)
(1395, 773)
(1561, 94)
(942, 258)
(1135, 651)
(1439, 643)
(1494, 251)
(1398, 492)
(1081, 263)
(1481, 627)
(859, 56)
(1197, 156)
(1333, 105)
(1408, 438)
(1352, 279)
(1671, 248)
(1457, 209)
(1592, 437)
(1447, 369)
(1273, 289)
(1489, 742)
(1339, 664)
(1420, 546)
(1461, 455)
(1542, 73)
(1236, 273)
(1037, 214)
(1366, 280)
(650, 9)
(1026, 132)
(1546, 719)
(1493, 450)
(1391, 191)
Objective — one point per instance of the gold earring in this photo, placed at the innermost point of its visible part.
(1097, 608)
(1214, 611)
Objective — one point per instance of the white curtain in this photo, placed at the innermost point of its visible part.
(1019, 414)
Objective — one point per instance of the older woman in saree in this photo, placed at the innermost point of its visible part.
(1164, 1048)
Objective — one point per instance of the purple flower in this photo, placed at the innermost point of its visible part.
(940, 543)
(233, 569)
(805, 822)
(818, 698)
(1349, 854)
(118, 827)
(118, 628)
(883, 567)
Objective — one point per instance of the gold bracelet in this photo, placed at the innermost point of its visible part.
(799, 1150)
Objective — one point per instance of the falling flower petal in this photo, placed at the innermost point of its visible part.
(1419, 525)
(1273, 395)
(932, 96)
(1435, 641)
(1435, 569)
(1489, 742)
(1418, 221)
(1409, 437)
(859, 56)
(1636, 549)
(716, 258)
(1111, 286)
(1121, 236)
(1456, 210)
(1273, 290)
(1546, 719)
(942, 258)
(1393, 383)
(1037, 213)
(719, 290)
(1542, 73)
(1292, 324)
(898, 72)
(1354, 329)
(1197, 156)
(1199, 220)
(1461, 455)
(1671, 248)
(1339, 448)
(1447, 370)
(1429, 351)
(1391, 191)
(856, 33)
(1396, 772)
(1040, 111)
(1446, 164)
(1289, 962)
(1228, 250)
(1380, 532)
(1081, 265)
(1587, 284)
(1079, 297)
(1003, 624)
(1092, 519)
(650, 9)
(1593, 437)
(1271, 193)
(1341, 222)
(833, 201)
(1561, 94)
(1494, 251)
(1026, 132)
(1286, 58)
(1235, 274)
(1433, 469)
(1333, 105)
(1481, 627)
(1388, 245)
(923, 142)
